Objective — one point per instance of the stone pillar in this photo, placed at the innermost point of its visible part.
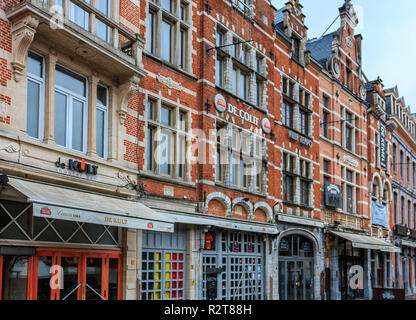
(92, 115)
(335, 272)
(192, 262)
(130, 262)
(49, 125)
(368, 291)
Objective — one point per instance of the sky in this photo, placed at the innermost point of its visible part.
(389, 42)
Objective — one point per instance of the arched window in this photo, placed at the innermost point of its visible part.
(295, 246)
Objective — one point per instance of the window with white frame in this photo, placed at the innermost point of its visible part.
(166, 139)
(102, 121)
(168, 29)
(79, 16)
(35, 95)
(103, 30)
(71, 106)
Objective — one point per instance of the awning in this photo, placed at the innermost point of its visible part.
(367, 242)
(408, 243)
(58, 202)
(221, 222)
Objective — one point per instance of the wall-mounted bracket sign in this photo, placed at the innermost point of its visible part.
(305, 141)
(332, 195)
(78, 166)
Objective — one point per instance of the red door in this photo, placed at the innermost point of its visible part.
(63, 274)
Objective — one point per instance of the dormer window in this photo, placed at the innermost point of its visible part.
(296, 49)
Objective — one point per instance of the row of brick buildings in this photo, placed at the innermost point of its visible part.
(198, 149)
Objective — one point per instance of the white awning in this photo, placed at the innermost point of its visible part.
(367, 242)
(58, 202)
(408, 243)
(221, 222)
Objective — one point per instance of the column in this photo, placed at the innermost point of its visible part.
(192, 262)
(49, 125)
(368, 291)
(92, 115)
(130, 259)
(335, 272)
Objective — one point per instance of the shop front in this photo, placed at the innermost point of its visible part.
(363, 263)
(58, 243)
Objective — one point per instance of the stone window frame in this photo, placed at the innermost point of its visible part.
(179, 134)
(350, 183)
(255, 72)
(178, 24)
(295, 94)
(352, 126)
(254, 154)
(292, 167)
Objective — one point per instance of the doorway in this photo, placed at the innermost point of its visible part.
(296, 276)
(62, 274)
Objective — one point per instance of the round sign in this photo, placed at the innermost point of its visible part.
(266, 125)
(220, 103)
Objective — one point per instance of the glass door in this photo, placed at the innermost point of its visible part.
(72, 275)
(14, 277)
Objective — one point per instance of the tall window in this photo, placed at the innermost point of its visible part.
(402, 164)
(221, 153)
(79, 16)
(102, 121)
(350, 190)
(304, 123)
(70, 109)
(325, 120)
(166, 139)
(151, 33)
(296, 48)
(35, 95)
(287, 115)
(289, 176)
(304, 183)
(408, 169)
(168, 31)
(167, 35)
(395, 208)
(402, 211)
(349, 131)
(104, 31)
(394, 158)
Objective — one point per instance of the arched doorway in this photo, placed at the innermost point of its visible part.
(296, 265)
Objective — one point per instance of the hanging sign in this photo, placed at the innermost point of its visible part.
(383, 146)
(332, 195)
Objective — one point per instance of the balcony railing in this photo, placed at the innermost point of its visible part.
(81, 17)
